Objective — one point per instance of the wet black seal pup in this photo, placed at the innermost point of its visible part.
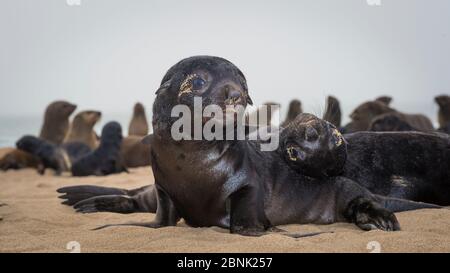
(407, 165)
(59, 158)
(106, 158)
(232, 183)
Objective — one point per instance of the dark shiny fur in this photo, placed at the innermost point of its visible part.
(407, 165)
(233, 184)
(106, 158)
(58, 158)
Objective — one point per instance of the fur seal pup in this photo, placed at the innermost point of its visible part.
(390, 122)
(56, 121)
(333, 111)
(443, 101)
(406, 165)
(232, 183)
(106, 158)
(58, 158)
(138, 124)
(295, 108)
(134, 152)
(82, 128)
(363, 115)
(18, 159)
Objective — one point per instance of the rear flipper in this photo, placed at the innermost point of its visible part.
(75, 194)
(398, 205)
(108, 203)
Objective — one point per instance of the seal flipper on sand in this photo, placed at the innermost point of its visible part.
(398, 205)
(108, 203)
(75, 194)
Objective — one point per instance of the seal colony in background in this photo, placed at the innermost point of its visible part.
(233, 184)
(61, 144)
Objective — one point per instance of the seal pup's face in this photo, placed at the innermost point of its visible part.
(389, 123)
(313, 146)
(60, 109)
(215, 80)
(363, 115)
(138, 109)
(29, 144)
(89, 118)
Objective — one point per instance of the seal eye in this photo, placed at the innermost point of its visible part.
(198, 83)
(338, 139)
(293, 153)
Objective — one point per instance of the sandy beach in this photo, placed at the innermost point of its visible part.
(33, 220)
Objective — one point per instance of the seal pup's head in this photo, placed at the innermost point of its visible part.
(111, 137)
(138, 110)
(56, 121)
(87, 119)
(390, 122)
(363, 115)
(138, 125)
(30, 144)
(444, 110)
(108, 154)
(313, 146)
(213, 79)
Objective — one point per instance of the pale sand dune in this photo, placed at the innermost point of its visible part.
(34, 221)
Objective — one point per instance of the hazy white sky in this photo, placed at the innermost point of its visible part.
(108, 54)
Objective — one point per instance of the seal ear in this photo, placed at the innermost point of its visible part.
(164, 87)
(147, 139)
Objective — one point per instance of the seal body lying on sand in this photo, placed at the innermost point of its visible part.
(17, 159)
(138, 124)
(407, 165)
(232, 183)
(82, 129)
(58, 158)
(106, 158)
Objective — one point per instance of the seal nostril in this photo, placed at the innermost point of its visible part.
(311, 134)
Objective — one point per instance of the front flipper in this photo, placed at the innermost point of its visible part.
(368, 215)
(166, 214)
(74, 194)
(107, 203)
(247, 213)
